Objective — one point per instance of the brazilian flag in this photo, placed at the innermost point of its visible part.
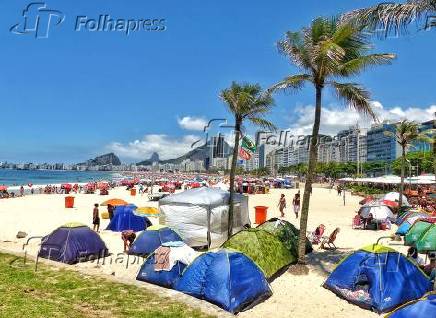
(248, 145)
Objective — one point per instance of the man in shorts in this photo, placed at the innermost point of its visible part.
(96, 218)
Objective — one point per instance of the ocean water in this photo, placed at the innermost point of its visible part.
(23, 177)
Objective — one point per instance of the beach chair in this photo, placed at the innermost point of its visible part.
(330, 240)
(316, 236)
(357, 223)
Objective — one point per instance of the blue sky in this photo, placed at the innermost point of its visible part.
(76, 94)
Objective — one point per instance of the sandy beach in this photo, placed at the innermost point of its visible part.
(293, 295)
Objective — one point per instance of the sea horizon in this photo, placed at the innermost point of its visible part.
(18, 177)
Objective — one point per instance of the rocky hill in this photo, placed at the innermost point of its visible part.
(107, 159)
(199, 153)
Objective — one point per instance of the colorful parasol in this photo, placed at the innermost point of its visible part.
(148, 211)
(114, 202)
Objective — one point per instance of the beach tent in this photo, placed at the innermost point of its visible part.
(427, 242)
(379, 212)
(424, 307)
(404, 227)
(226, 278)
(378, 278)
(286, 232)
(125, 219)
(151, 239)
(410, 214)
(72, 243)
(395, 196)
(179, 257)
(418, 228)
(200, 216)
(266, 250)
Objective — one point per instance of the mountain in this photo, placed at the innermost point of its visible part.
(107, 159)
(154, 157)
(199, 153)
(148, 162)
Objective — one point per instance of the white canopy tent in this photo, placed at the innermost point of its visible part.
(392, 179)
(200, 216)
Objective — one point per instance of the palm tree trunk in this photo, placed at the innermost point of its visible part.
(232, 176)
(313, 152)
(403, 163)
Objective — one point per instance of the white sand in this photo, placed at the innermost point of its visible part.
(294, 296)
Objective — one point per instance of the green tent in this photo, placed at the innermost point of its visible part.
(286, 232)
(416, 231)
(427, 242)
(268, 252)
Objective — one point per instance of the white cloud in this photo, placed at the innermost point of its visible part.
(166, 146)
(334, 119)
(192, 123)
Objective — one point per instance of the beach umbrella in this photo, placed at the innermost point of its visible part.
(3, 188)
(395, 196)
(148, 211)
(427, 242)
(389, 203)
(114, 202)
(379, 212)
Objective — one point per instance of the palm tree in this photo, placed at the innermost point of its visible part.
(245, 102)
(406, 132)
(395, 17)
(326, 51)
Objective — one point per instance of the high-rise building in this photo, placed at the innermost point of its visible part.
(382, 146)
(426, 128)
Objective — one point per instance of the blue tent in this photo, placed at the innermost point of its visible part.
(162, 278)
(228, 279)
(407, 224)
(149, 240)
(378, 278)
(420, 308)
(125, 219)
(72, 243)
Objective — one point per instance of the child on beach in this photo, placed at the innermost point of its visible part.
(128, 237)
(96, 218)
(282, 205)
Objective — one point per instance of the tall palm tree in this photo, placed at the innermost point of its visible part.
(406, 132)
(327, 51)
(394, 18)
(245, 102)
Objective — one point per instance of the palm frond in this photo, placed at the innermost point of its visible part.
(261, 122)
(356, 97)
(357, 65)
(387, 19)
(294, 82)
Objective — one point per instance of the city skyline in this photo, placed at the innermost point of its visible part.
(74, 95)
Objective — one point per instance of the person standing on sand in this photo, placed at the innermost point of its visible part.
(96, 218)
(21, 190)
(110, 211)
(296, 203)
(282, 205)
